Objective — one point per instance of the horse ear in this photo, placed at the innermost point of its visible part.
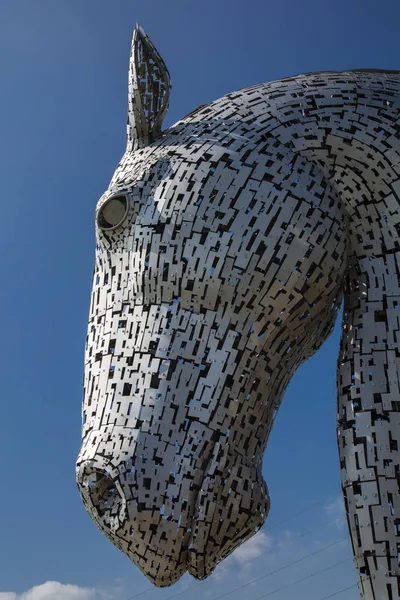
(149, 91)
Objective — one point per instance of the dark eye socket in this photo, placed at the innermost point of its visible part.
(112, 213)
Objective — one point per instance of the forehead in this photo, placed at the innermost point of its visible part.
(205, 176)
(195, 160)
(208, 135)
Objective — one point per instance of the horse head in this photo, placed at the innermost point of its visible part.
(221, 253)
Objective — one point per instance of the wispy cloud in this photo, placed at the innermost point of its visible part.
(335, 511)
(253, 548)
(270, 561)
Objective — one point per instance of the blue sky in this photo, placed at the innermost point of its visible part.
(63, 105)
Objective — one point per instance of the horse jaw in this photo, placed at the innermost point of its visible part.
(177, 492)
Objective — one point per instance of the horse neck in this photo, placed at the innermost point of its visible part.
(358, 149)
(348, 125)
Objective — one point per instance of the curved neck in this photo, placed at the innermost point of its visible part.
(349, 128)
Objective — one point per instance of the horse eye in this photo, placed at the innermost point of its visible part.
(112, 213)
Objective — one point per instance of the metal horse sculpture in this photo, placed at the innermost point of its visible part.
(224, 246)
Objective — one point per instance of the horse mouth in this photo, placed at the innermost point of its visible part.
(195, 531)
(106, 503)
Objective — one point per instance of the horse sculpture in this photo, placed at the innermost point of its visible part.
(224, 246)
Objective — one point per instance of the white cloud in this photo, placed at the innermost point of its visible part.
(253, 548)
(223, 570)
(53, 590)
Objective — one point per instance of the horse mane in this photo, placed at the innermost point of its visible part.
(391, 72)
(296, 78)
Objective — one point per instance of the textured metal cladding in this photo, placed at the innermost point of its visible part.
(242, 227)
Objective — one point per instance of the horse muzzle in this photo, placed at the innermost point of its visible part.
(201, 509)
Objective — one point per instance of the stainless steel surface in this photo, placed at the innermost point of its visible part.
(247, 222)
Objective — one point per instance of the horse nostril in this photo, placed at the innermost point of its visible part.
(104, 496)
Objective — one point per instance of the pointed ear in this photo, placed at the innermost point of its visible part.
(149, 91)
